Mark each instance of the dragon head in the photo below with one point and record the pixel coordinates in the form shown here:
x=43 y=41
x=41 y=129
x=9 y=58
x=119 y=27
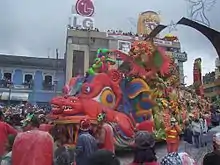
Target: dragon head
x=73 y=106
x=56 y=104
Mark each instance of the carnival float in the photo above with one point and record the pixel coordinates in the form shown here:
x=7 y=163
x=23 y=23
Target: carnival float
x=142 y=94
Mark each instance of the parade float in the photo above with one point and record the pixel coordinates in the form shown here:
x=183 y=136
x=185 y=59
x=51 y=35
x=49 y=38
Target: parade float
x=144 y=95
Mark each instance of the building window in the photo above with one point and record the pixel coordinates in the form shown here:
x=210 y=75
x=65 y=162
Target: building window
x=48 y=82
x=48 y=79
x=8 y=76
x=28 y=80
x=6 y=81
x=101 y=42
x=83 y=41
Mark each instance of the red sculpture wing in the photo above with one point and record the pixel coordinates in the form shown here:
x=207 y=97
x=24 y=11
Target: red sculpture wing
x=123 y=56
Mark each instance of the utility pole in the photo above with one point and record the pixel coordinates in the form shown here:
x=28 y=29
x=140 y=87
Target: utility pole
x=56 y=72
x=9 y=96
x=89 y=47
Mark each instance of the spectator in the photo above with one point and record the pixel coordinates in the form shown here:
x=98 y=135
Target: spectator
x=5 y=131
x=62 y=156
x=144 y=149
x=188 y=135
x=33 y=147
x=204 y=129
x=6 y=160
x=103 y=157
x=86 y=144
x=215 y=118
x=196 y=129
x=213 y=158
x=175 y=158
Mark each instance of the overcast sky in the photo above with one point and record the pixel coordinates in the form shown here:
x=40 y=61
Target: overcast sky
x=38 y=27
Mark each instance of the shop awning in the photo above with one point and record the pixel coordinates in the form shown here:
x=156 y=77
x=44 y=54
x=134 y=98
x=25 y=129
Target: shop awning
x=15 y=96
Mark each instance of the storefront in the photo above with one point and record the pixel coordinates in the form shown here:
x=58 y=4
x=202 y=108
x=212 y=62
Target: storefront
x=14 y=96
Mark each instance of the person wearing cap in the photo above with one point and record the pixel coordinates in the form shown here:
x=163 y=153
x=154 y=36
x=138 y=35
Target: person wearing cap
x=213 y=158
x=5 y=131
x=172 y=136
x=86 y=144
x=105 y=134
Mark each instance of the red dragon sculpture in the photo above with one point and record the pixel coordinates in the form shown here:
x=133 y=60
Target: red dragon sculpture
x=79 y=106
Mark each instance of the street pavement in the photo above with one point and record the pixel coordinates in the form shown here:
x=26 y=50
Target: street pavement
x=126 y=157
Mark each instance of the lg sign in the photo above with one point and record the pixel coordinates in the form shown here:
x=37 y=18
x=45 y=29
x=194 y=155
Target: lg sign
x=85 y=8
x=83 y=22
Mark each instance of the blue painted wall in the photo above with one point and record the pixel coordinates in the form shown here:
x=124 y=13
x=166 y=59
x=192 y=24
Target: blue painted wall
x=38 y=80
x=37 y=94
x=17 y=78
x=1 y=73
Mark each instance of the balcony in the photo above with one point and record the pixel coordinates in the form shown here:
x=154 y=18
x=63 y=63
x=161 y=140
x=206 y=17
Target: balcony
x=6 y=83
x=48 y=86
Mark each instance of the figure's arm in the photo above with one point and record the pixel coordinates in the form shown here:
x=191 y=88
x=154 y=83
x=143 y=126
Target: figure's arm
x=178 y=129
x=10 y=129
x=101 y=138
x=97 y=65
x=168 y=129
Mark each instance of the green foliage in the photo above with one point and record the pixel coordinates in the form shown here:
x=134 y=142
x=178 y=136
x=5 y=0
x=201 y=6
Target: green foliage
x=160 y=134
x=157 y=59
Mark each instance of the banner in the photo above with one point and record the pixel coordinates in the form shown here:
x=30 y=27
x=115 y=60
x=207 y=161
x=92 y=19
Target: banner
x=124 y=46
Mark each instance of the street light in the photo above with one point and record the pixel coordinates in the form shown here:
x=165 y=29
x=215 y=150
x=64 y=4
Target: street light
x=9 y=96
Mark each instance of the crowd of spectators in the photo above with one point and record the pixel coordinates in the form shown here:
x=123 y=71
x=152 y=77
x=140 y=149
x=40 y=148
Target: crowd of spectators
x=83 y=29
x=116 y=32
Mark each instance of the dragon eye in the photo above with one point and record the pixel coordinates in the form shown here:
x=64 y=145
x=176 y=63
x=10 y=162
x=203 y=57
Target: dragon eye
x=87 y=89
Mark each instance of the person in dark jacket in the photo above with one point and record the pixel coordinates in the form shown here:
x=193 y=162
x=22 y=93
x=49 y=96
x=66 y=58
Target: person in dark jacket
x=215 y=118
x=103 y=157
x=188 y=136
x=62 y=156
x=144 y=152
x=86 y=144
x=213 y=158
